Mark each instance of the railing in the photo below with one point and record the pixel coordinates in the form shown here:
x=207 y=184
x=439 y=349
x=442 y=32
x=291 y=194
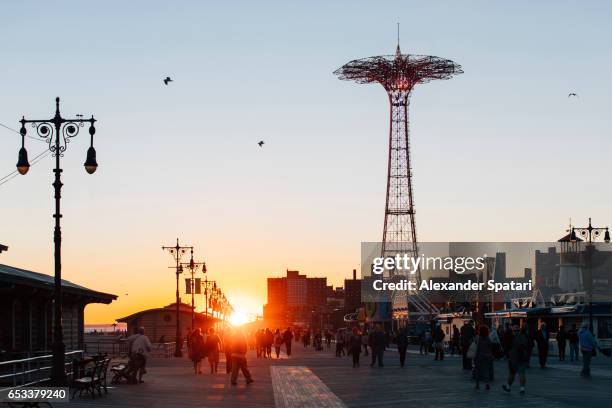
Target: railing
x=165 y=350
x=34 y=370
x=112 y=347
x=117 y=348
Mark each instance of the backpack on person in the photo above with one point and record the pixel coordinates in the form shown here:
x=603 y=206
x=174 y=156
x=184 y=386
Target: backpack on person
x=471 y=353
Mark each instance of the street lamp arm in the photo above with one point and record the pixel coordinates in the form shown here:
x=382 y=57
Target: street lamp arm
x=57 y=132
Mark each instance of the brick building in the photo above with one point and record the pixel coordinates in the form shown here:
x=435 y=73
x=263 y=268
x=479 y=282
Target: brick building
x=294 y=299
x=352 y=294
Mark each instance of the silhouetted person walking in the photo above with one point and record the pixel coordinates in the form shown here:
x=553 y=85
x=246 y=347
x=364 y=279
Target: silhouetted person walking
x=288 y=337
x=572 y=337
x=561 y=342
x=402 y=345
x=542 y=339
x=227 y=349
x=339 y=344
x=239 y=361
x=213 y=343
x=196 y=349
x=519 y=357
x=354 y=346
x=455 y=341
x=278 y=342
x=588 y=345
x=531 y=336
x=506 y=340
x=438 y=341
x=377 y=344
x=483 y=359
x=364 y=341
x=467 y=337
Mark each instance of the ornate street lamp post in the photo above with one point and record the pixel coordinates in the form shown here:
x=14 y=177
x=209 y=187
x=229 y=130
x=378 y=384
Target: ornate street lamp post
x=177 y=252
x=57 y=132
x=193 y=268
x=590 y=233
x=208 y=284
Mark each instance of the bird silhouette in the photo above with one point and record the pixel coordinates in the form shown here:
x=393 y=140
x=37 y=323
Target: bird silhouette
x=572 y=94
x=167 y=80
x=260 y=143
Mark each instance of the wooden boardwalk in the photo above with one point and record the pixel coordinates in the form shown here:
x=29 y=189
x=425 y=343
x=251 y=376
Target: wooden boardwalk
x=318 y=379
x=297 y=386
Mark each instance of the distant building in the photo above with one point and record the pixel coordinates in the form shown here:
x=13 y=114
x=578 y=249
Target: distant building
x=295 y=299
x=316 y=292
x=352 y=294
x=297 y=291
x=547 y=268
x=573 y=284
x=333 y=314
x=161 y=321
x=26 y=311
x=499 y=268
x=335 y=298
x=564 y=272
x=276 y=308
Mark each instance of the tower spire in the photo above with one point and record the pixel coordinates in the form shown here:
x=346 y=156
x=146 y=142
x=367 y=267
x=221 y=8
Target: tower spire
x=398 y=53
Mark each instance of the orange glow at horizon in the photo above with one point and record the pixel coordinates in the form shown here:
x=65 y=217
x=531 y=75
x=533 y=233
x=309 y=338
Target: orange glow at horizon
x=238 y=318
x=142 y=277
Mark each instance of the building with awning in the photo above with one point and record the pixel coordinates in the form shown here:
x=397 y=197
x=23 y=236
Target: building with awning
x=555 y=316
x=26 y=311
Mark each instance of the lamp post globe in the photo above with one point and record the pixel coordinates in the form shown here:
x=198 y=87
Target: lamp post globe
x=91 y=165
x=22 y=162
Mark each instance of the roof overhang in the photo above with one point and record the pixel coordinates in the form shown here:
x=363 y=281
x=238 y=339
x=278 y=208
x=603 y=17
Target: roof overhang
x=22 y=277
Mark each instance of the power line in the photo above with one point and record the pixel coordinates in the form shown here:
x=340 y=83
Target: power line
x=35 y=160
x=13 y=130
x=15 y=173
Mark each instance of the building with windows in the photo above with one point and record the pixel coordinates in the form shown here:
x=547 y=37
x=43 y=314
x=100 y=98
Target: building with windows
x=352 y=294
x=295 y=299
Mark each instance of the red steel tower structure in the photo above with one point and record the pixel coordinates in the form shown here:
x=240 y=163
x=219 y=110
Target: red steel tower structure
x=399 y=74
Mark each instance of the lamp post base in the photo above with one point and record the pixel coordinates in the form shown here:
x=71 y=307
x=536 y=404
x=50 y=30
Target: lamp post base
x=178 y=349
x=58 y=369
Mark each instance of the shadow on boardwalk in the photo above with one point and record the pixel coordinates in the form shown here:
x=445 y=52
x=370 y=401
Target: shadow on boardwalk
x=428 y=383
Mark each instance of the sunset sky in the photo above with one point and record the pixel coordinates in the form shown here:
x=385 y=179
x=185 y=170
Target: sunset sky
x=500 y=153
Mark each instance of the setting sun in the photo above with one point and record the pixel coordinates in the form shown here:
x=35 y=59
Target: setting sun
x=239 y=318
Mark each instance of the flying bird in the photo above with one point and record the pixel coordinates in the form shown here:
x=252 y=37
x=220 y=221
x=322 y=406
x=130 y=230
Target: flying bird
x=260 y=143
x=572 y=94
x=167 y=80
